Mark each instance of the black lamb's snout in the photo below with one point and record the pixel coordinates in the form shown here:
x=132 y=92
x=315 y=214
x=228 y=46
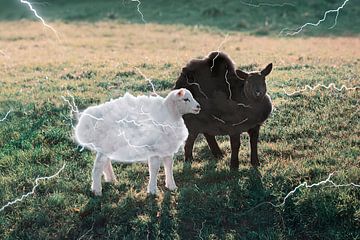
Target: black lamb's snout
x=258 y=93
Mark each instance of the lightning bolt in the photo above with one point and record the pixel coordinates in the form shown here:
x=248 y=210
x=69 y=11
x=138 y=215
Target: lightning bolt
x=198 y=85
x=40 y=18
x=243 y=105
x=138 y=9
x=202 y=227
x=267 y=4
x=37 y=183
x=299 y=29
x=73 y=109
x=227 y=82
x=219 y=119
x=306 y=185
x=129 y=121
x=331 y=85
x=218 y=50
x=82 y=236
x=149 y=80
x=135 y=146
x=222 y=121
x=4 y=54
x=4 y=118
x=239 y=123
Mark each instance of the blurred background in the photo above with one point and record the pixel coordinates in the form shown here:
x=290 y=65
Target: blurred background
x=254 y=17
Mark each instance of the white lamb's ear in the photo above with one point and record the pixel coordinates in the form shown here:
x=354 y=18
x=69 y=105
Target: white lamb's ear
x=180 y=93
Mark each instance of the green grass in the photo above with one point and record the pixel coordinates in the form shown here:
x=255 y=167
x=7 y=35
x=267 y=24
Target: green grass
x=305 y=139
x=225 y=15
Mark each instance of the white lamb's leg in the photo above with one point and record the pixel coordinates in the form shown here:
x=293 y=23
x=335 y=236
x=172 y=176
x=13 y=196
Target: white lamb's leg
x=169 y=176
x=98 y=169
x=154 y=166
x=109 y=174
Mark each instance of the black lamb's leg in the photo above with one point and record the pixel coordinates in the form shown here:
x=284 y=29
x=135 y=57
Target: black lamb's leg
x=235 y=145
x=254 y=137
x=189 y=144
x=214 y=147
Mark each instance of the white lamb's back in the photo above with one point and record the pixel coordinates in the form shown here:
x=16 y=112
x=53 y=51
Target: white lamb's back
x=130 y=129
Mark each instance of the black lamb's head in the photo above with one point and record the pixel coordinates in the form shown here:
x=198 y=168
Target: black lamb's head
x=255 y=82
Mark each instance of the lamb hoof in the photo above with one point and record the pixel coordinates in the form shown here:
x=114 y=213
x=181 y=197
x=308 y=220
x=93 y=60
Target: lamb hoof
x=234 y=167
x=218 y=155
x=171 y=187
x=114 y=180
x=97 y=193
x=152 y=191
x=255 y=162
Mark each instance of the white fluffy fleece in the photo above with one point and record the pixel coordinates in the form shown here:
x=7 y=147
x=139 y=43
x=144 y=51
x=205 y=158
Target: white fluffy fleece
x=136 y=129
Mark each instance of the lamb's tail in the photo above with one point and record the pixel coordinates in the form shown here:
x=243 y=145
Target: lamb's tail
x=219 y=63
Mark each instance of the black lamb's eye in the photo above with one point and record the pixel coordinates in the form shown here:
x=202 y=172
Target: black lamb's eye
x=186 y=100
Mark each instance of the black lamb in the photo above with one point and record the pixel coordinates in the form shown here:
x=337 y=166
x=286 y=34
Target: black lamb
x=232 y=102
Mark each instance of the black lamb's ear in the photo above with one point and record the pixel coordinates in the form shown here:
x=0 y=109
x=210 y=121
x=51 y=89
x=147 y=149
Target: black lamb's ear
x=182 y=79
x=267 y=70
x=241 y=75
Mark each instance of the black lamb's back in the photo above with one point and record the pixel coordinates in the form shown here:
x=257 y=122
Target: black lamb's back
x=207 y=76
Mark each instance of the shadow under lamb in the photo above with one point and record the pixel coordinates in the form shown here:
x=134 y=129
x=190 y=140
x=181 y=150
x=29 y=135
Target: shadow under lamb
x=136 y=129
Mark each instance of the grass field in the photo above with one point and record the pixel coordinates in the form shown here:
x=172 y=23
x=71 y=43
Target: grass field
x=306 y=138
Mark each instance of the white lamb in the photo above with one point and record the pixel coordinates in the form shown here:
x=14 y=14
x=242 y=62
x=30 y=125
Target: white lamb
x=136 y=129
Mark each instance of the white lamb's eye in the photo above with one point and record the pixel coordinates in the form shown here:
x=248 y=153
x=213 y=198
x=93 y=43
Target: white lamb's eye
x=186 y=100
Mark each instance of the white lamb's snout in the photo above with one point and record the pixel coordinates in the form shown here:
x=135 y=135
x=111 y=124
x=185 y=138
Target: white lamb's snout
x=196 y=108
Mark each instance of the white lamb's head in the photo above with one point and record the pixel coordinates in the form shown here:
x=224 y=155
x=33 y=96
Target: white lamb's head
x=185 y=102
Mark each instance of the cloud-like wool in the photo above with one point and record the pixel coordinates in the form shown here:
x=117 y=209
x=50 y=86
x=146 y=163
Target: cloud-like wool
x=131 y=129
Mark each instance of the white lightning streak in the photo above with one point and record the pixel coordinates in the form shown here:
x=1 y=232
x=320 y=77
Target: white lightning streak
x=219 y=119
x=157 y=124
x=198 y=85
x=299 y=29
x=235 y=124
x=4 y=118
x=147 y=79
x=331 y=85
x=222 y=121
x=37 y=183
x=4 y=54
x=134 y=146
x=72 y=107
x=93 y=117
x=124 y=120
x=306 y=185
x=218 y=50
x=229 y=87
x=202 y=226
x=267 y=4
x=40 y=18
x=138 y=9
x=243 y=105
